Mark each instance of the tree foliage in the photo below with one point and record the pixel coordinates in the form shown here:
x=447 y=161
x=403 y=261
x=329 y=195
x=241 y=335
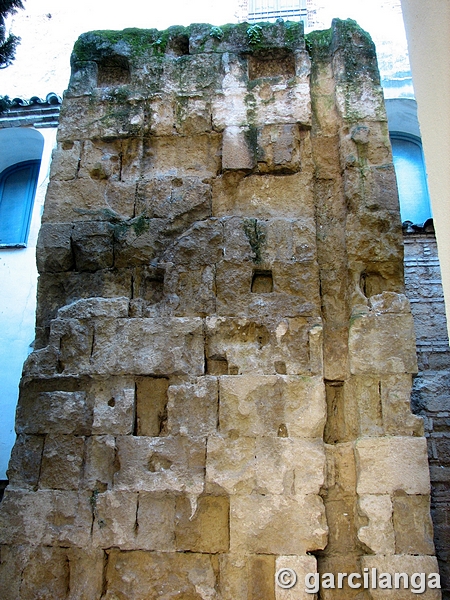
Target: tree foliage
x=8 y=41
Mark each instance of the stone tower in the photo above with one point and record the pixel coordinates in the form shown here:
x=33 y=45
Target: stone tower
x=221 y=378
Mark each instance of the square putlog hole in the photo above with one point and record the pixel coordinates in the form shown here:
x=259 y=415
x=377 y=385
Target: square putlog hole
x=151 y=406
x=273 y=63
x=262 y=282
x=113 y=71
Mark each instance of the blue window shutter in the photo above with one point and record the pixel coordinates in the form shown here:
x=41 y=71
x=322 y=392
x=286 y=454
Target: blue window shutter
x=17 y=190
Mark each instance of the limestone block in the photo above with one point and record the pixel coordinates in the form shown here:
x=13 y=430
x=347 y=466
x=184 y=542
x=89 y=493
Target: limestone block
x=292 y=289
x=412 y=524
x=86 y=572
x=99 y=463
x=135 y=575
x=114 y=515
x=231 y=463
x=264 y=197
x=161 y=114
x=75 y=340
x=92 y=244
x=151 y=406
x=160 y=464
x=192 y=408
x=395 y=398
x=188 y=291
x=45 y=517
x=289 y=104
x=25 y=462
x=257 y=346
x=53 y=412
x=62 y=462
x=88 y=308
x=85 y=199
x=179 y=156
x=114 y=406
x=378 y=535
x=156 y=347
x=301 y=565
x=382 y=343
x=341 y=470
x=65 y=160
x=347 y=563
x=253 y=405
x=199 y=245
x=47 y=574
x=155 y=522
x=202 y=526
x=57 y=290
x=279 y=148
x=363 y=103
x=266 y=241
x=275 y=524
x=341 y=520
x=385 y=465
x=402 y=564
x=363 y=394
x=237 y=152
x=138 y=241
x=184 y=200
x=54 y=251
x=289 y=466
x=106 y=119
x=117 y=160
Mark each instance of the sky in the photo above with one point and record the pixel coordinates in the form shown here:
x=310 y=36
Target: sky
x=49 y=29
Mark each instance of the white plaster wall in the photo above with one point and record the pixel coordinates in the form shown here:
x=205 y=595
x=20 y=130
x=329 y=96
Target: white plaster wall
x=18 y=276
x=428 y=31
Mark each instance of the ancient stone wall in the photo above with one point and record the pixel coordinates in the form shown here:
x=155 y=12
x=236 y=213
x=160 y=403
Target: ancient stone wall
x=222 y=374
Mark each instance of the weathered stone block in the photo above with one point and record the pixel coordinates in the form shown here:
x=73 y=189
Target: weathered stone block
x=157 y=347
x=54 y=249
x=230 y=464
x=183 y=200
x=278 y=148
x=266 y=524
x=202 y=525
x=62 y=462
x=385 y=465
x=151 y=406
x=45 y=517
x=180 y=156
x=255 y=346
x=382 y=343
x=25 y=462
x=412 y=524
x=65 y=160
x=92 y=245
x=160 y=464
x=301 y=565
x=237 y=151
x=137 y=574
x=403 y=564
x=155 y=522
x=192 y=408
x=263 y=197
x=54 y=412
x=281 y=469
x=395 y=398
x=114 y=518
x=254 y=405
x=114 y=406
x=99 y=463
x=378 y=535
